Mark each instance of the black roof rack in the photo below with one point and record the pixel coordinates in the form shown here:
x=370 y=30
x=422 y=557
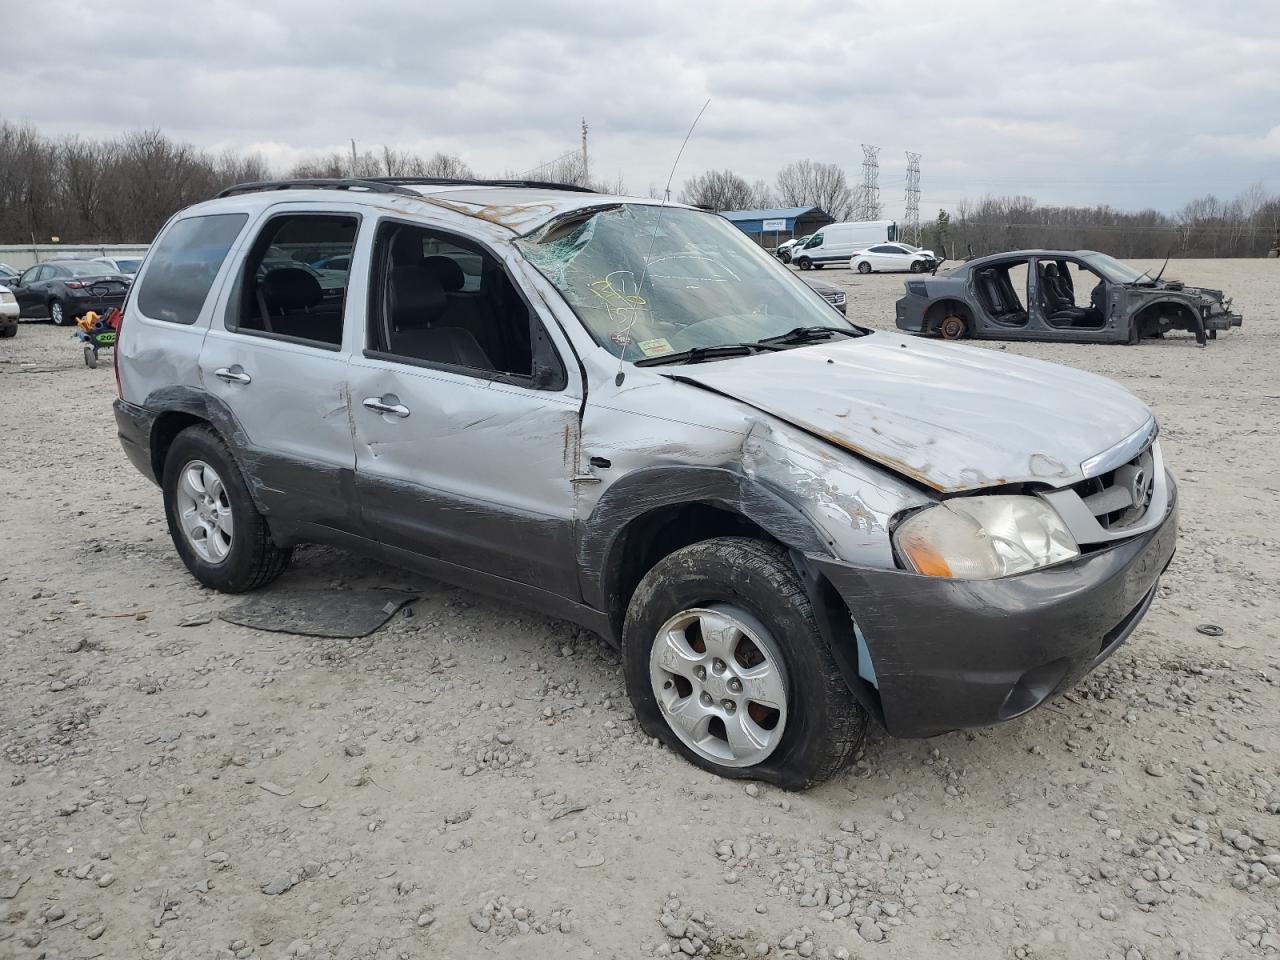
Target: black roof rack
x=399 y=185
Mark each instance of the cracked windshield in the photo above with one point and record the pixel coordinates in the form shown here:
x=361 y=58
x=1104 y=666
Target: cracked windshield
x=705 y=284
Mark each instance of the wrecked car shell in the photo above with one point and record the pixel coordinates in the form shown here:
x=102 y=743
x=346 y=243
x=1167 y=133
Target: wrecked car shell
x=986 y=298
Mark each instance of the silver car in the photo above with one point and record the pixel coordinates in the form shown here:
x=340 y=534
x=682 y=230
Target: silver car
x=628 y=415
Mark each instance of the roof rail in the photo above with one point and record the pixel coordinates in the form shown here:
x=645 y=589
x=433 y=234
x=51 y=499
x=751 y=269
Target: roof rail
x=399 y=185
x=470 y=182
x=320 y=183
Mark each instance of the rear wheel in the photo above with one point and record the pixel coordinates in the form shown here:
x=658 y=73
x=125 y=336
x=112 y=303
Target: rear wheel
x=864 y=267
x=725 y=664
x=219 y=533
x=804 y=263
x=56 y=313
x=953 y=327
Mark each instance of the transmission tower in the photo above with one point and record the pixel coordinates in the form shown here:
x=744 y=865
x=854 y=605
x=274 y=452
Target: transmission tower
x=870 y=206
x=912 y=215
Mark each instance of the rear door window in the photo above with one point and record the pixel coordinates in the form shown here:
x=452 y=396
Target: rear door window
x=184 y=264
x=281 y=294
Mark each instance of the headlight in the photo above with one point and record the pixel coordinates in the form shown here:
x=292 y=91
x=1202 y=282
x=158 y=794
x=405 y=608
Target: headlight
x=981 y=538
x=7 y=297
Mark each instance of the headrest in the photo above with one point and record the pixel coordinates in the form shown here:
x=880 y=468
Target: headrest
x=290 y=288
x=447 y=271
x=1051 y=270
x=416 y=297
x=406 y=247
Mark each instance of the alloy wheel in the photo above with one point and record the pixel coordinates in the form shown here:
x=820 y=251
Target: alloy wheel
x=721 y=684
x=204 y=511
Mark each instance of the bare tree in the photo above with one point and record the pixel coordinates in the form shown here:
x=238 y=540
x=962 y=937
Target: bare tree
x=718 y=190
x=806 y=183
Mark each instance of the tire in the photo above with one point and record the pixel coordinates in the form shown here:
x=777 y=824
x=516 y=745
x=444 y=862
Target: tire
x=953 y=327
x=90 y=356
x=252 y=559
x=917 y=266
x=9 y=330
x=864 y=267
x=57 y=313
x=753 y=584
x=804 y=263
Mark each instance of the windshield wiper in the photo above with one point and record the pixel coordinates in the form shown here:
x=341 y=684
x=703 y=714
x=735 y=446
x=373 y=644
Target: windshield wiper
x=700 y=354
x=810 y=334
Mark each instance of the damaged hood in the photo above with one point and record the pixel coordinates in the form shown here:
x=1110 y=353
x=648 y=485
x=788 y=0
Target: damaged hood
x=951 y=417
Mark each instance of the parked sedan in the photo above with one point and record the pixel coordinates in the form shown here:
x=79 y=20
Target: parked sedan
x=8 y=313
x=65 y=290
x=893 y=258
x=7 y=273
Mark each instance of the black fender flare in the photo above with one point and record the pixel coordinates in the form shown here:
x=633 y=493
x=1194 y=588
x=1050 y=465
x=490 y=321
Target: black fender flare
x=600 y=536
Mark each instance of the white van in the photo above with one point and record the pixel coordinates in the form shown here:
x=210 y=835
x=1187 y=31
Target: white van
x=837 y=242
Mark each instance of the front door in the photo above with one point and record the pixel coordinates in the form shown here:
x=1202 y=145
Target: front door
x=277 y=358
x=32 y=291
x=466 y=419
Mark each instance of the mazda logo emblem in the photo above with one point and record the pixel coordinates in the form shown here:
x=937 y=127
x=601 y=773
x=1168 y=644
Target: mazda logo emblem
x=1141 y=487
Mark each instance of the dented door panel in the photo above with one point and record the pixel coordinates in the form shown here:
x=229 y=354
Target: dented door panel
x=477 y=474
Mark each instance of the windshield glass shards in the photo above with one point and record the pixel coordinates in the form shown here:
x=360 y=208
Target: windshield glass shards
x=651 y=281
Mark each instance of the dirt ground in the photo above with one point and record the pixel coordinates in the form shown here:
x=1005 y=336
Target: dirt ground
x=469 y=780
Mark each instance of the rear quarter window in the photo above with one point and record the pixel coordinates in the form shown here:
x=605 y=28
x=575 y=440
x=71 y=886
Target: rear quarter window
x=184 y=264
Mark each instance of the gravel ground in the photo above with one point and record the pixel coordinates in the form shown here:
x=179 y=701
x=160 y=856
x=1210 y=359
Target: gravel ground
x=470 y=781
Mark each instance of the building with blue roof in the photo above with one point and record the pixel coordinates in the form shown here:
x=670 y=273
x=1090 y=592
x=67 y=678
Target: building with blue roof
x=771 y=227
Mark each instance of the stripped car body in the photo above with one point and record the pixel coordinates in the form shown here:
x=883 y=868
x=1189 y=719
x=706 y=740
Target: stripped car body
x=564 y=488
x=1031 y=295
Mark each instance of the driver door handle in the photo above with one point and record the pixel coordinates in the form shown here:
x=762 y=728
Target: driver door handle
x=232 y=374
x=380 y=405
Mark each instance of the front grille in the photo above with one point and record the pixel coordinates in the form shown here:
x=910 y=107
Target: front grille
x=833 y=298
x=1120 y=498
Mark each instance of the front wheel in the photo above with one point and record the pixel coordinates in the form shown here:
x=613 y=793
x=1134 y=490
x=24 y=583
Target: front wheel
x=917 y=266
x=864 y=267
x=56 y=313
x=726 y=665
x=218 y=532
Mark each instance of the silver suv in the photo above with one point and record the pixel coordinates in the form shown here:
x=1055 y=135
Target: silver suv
x=630 y=416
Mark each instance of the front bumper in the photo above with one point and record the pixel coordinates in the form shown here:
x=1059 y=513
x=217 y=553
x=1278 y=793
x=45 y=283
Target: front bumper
x=949 y=654
x=1223 y=321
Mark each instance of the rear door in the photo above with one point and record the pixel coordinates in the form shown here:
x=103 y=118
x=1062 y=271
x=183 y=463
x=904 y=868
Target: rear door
x=466 y=415
x=276 y=354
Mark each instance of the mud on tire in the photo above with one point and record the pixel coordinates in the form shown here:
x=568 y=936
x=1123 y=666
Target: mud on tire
x=824 y=724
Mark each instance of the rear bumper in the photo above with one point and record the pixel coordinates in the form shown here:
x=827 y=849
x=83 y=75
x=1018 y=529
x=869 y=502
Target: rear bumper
x=79 y=306
x=949 y=654
x=909 y=313
x=133 y=425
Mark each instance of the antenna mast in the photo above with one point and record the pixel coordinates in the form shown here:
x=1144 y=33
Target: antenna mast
x=912 y=215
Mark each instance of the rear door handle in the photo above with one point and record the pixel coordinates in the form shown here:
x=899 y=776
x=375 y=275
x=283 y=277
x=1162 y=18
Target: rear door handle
x=233 y=374
x=388 y=403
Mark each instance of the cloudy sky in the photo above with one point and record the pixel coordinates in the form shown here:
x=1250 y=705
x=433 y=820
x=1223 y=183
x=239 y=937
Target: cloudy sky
x=1125 y=102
